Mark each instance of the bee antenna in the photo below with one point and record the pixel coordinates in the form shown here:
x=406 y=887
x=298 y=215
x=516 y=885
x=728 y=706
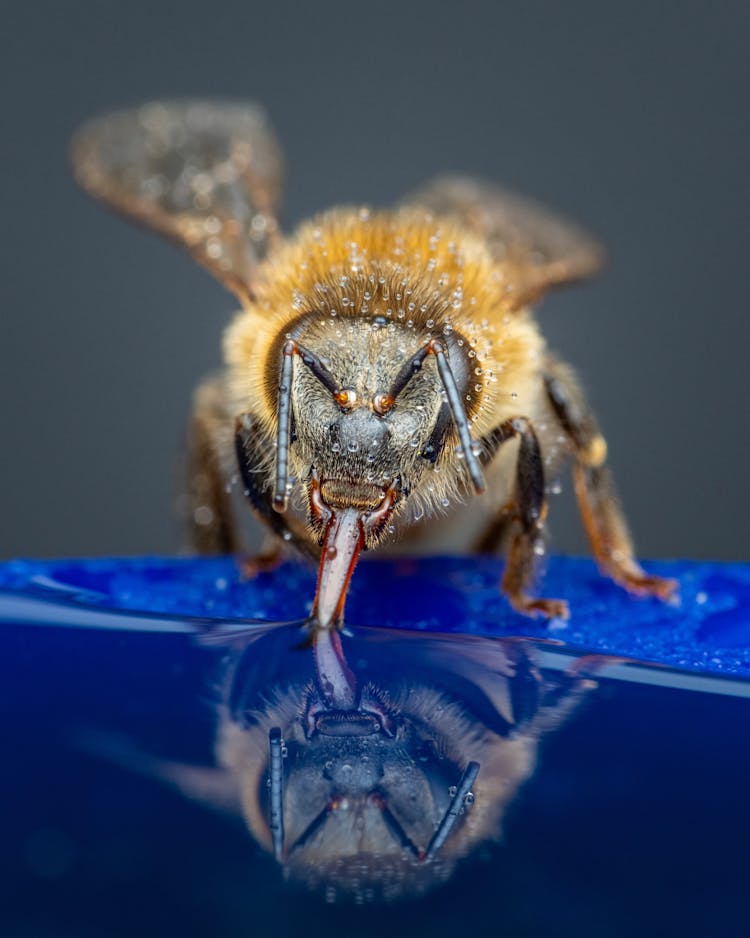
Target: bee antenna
x=276 y=793
x=343 y=398
x=392 y=823
x=458 y=413
x=455 y=810
x=283 y=435
x=384 y=402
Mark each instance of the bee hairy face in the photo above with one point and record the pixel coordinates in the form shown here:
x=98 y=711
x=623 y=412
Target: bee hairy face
x=362 y=439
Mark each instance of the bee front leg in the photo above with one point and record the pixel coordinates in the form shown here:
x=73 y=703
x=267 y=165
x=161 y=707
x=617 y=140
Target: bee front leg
x=605 y=524
x=254 y=450
x=529 y=511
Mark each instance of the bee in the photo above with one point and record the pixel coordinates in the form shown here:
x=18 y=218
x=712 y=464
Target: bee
x=385 y=379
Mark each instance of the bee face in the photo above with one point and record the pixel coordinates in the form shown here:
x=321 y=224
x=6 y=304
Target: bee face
x=355 y=446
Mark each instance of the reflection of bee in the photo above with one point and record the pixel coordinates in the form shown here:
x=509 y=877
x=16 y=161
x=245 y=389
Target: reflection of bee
x=383 y=364
x=376 y=788
x=382 y=799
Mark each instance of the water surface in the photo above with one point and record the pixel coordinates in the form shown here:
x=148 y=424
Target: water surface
x=137 y=766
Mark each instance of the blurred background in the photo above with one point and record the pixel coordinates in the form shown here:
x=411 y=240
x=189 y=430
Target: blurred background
x=631 y=118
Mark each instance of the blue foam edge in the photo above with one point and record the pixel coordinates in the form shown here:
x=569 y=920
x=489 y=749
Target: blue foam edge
x=707 y=630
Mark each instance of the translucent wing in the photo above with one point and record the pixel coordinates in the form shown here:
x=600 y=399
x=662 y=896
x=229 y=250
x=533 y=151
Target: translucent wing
x=205 y=174
x=535 y=249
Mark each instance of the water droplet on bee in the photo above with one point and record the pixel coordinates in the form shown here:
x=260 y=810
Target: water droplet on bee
x=331 y=553
x=203 y=515
x=469 y=799
x=452 y=791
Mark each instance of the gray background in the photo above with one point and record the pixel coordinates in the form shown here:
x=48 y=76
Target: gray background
x=632 y=118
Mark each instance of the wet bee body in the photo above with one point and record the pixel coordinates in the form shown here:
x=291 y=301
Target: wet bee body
x=385 y=369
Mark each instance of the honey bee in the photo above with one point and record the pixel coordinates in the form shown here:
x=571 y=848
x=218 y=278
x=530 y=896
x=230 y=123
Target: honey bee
x=385 y=379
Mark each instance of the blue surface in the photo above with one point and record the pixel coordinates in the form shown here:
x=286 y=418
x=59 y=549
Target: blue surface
x=707 y=630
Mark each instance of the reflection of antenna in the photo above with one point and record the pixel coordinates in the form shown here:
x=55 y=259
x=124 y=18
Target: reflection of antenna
x=455 y=809
x=392 y=823
x=277 y=804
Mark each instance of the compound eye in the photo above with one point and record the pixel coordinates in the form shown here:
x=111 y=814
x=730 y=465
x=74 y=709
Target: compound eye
x=382 y=404
x=346 y=398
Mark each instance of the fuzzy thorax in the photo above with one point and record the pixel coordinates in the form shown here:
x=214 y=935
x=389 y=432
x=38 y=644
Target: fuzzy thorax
x=366 y=291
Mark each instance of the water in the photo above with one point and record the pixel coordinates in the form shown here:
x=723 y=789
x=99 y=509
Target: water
x=136 y=789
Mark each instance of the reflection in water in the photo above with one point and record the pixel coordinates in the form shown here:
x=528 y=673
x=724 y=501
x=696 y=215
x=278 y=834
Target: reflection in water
x=368 y=771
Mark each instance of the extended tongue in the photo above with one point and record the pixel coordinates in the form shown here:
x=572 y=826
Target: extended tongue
x=342 y=544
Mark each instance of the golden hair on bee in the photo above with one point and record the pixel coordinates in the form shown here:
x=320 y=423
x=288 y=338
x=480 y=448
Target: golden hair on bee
x=385 y=379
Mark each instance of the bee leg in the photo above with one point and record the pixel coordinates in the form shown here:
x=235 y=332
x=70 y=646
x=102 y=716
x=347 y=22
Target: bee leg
x=496 y=531
x=254 y=450
x=211 y=525
x=269 y=557
x=527 y=532
x=603 y=520
x=560 y=702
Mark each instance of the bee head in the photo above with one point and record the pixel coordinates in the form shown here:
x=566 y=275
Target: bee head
x=372 y=405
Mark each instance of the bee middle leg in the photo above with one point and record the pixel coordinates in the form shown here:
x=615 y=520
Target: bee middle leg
x=595 y=490
x=525 y=518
